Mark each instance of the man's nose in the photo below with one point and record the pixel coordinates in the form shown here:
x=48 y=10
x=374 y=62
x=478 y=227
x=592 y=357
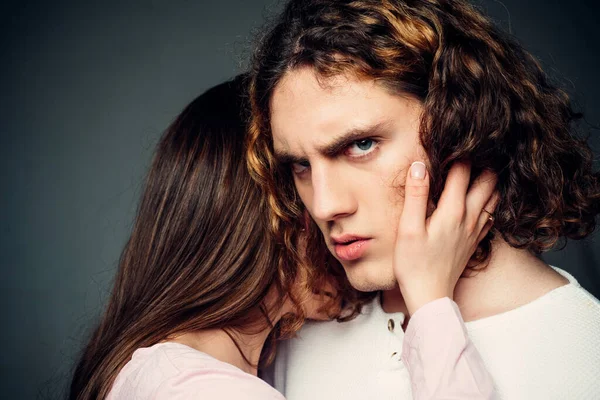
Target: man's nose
x=332 y=198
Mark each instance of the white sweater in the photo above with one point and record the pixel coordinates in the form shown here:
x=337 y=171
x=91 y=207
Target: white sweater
x=547 y=349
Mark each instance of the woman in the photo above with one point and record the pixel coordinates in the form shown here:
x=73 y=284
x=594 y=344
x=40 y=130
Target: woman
x=202 y=291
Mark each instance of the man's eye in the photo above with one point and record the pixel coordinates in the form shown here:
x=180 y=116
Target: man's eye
x=300 y=167
x=361 y=147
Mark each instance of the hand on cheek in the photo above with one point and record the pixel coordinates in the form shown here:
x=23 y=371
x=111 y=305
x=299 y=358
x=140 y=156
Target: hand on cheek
x=431 y=253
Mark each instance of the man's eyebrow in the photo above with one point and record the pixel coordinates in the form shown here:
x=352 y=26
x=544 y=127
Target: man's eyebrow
x=352 y=135
x=338 y=144
x=285 y=158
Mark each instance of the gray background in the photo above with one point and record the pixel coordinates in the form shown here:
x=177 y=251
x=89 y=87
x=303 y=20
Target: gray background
x=86 y=90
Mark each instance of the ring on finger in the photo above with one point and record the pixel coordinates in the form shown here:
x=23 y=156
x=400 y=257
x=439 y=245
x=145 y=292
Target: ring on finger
x=490 y=215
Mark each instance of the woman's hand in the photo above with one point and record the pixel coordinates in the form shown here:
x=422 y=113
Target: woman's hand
x=432 y=253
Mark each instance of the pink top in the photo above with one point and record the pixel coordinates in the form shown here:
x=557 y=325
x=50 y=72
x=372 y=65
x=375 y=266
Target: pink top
x=173 y=371
x=442 y=361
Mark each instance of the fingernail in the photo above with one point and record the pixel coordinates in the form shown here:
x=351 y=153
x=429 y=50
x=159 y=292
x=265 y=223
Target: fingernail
x=417 y=170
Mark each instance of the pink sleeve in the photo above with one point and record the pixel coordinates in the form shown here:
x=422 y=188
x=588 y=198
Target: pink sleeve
x=217 y=384
x=442 y=361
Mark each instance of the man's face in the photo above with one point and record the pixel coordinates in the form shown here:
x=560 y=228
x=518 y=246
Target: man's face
x=349 y=143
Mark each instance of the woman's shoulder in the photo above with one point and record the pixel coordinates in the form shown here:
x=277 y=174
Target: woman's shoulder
x=173 y=370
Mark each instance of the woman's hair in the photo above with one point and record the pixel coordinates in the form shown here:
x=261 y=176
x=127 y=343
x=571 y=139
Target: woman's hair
x=485 y=99
x=199 y=255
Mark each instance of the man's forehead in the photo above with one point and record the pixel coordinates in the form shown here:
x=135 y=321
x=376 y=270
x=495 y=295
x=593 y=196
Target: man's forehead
x=303 y=101
x=307 y=115
x=304 y=82
x=281 y=144
x=297 y=108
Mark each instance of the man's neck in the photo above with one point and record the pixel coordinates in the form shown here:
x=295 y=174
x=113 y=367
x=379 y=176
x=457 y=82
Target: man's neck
x=512 y=278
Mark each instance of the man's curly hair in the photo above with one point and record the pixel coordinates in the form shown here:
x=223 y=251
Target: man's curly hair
x=485 y=99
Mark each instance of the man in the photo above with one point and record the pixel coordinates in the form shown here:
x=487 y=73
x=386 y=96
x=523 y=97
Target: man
x=346 y=95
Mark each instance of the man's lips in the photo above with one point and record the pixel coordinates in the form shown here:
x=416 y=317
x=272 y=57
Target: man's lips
x=350 y=247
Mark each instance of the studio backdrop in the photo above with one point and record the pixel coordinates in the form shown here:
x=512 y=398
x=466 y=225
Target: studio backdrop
x=87 y=89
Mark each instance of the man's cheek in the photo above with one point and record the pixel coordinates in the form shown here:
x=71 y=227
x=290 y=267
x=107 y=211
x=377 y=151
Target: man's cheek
x=394 y=210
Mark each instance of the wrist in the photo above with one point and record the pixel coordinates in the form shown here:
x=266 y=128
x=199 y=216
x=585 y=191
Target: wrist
x=415 y=299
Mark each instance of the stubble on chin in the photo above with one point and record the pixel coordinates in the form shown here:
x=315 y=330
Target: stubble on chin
x=364 y=281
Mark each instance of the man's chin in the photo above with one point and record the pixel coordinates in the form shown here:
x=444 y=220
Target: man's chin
x=370 y=278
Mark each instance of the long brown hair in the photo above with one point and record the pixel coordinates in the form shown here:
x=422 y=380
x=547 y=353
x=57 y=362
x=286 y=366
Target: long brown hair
x=199 y=255
x=485 y=99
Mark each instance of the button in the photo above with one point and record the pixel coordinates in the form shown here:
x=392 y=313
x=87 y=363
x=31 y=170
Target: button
x=391 y=325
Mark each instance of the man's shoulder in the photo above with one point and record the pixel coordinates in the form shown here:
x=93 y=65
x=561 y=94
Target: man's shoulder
x=554 y=341
x=569 y=309
x=564 y=311
x=577 y=316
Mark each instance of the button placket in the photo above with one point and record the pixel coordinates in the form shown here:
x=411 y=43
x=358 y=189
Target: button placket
x=395 y=343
